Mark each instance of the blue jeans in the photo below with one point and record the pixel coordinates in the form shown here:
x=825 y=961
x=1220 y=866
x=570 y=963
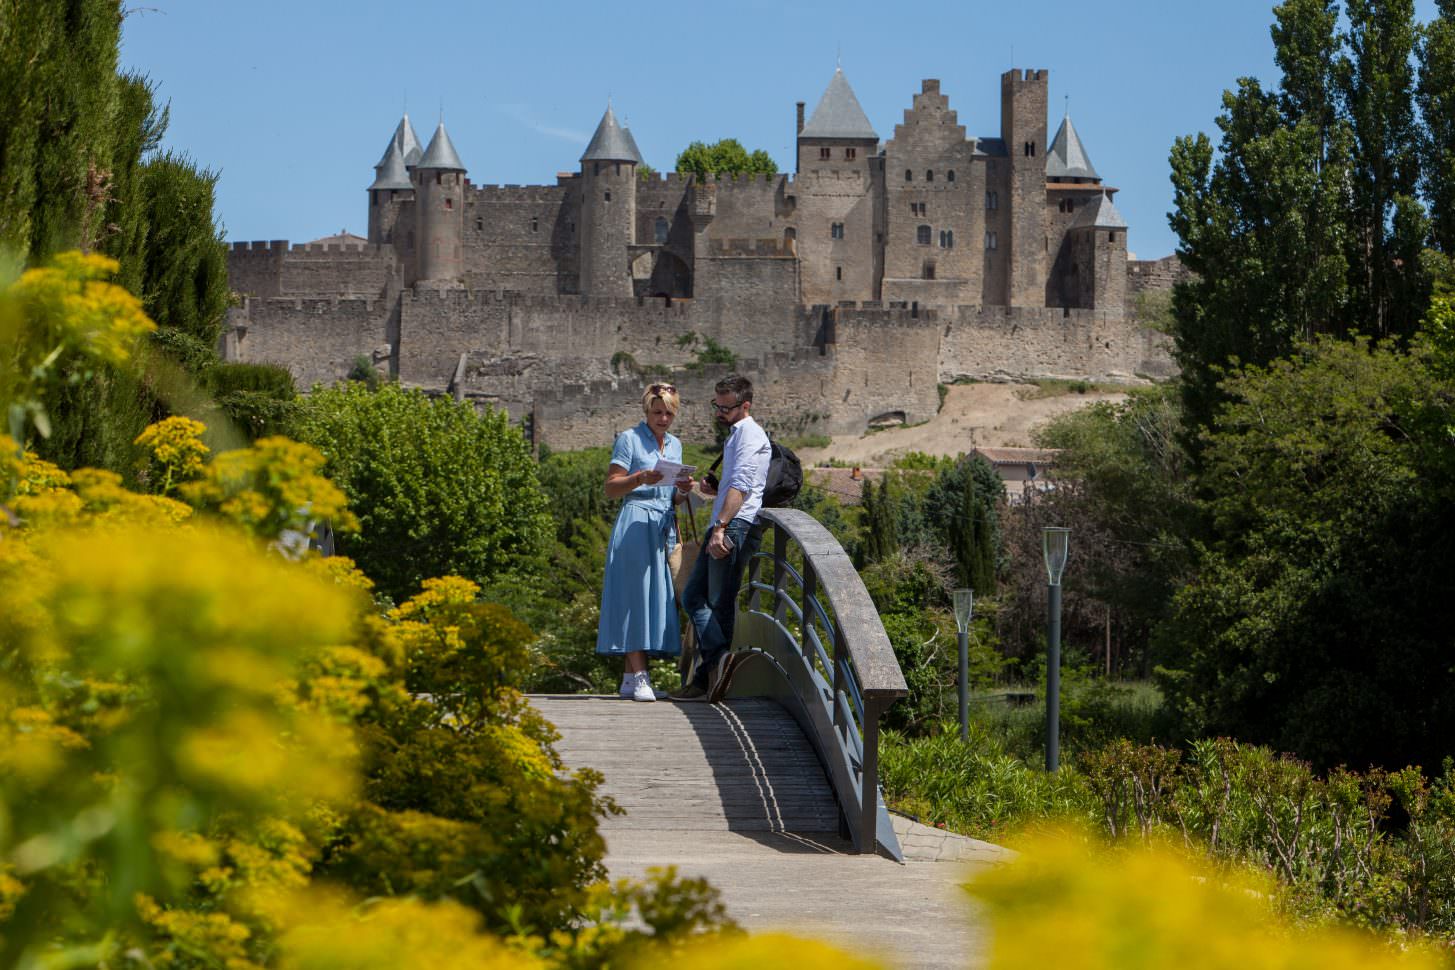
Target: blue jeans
x=711 y=596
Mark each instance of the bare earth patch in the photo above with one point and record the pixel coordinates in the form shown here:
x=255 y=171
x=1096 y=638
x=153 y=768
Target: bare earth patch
x=984 y=415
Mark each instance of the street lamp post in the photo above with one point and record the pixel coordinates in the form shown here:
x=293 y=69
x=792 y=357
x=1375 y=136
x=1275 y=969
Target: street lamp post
x=1056 y=550
x=964 y=607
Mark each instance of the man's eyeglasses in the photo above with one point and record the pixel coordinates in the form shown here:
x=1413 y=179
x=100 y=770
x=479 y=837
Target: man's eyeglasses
x=720 y=409
x=661 y=389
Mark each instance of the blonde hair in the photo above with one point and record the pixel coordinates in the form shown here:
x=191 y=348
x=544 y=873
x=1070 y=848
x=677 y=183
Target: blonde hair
x=665 y=393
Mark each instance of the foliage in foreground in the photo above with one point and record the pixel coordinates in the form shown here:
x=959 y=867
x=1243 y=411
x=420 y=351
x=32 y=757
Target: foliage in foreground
x=1068 y=902
x=1374 y=850
x=198 y=733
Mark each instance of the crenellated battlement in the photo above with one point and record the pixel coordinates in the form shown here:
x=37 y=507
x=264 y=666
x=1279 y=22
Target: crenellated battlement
x=549 y=194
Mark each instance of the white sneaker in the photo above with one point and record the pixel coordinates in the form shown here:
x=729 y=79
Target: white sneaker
x=642 y=690
x=628 y=686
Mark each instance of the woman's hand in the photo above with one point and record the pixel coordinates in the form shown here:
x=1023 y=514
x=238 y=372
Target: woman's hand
x=685 y=483
x=649 y=476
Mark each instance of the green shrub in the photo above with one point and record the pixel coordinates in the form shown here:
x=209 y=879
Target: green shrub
x=438 y=488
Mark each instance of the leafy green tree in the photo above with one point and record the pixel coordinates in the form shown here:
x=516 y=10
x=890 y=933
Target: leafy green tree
x=1123 y=487
x=438 y=488
x=961 y=509
x=880 y=508
x=1317 y=619
x=724 y=157
x=1435 y=93
x=1307 y=219
x=184 y=274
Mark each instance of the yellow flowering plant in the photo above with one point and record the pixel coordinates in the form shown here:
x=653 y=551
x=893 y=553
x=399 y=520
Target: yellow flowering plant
x=64 y=308
x=1070 y=901
x=174 y=453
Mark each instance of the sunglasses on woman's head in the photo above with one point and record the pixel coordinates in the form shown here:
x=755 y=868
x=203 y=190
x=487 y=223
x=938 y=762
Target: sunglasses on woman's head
x=661 y=388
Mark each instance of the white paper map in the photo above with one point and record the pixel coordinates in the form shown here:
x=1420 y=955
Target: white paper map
x=671 y=470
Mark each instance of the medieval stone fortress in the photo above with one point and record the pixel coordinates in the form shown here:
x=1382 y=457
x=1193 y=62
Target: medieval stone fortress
x=847 y=290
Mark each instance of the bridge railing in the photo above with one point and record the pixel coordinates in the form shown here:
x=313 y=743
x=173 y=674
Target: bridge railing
x=808 y=615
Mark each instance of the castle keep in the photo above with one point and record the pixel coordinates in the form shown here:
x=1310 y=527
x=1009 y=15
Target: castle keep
x=848 y=289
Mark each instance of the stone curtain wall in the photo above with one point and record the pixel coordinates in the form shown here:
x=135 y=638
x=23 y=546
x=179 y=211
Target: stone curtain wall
x=317 y=340
x=1022 y=343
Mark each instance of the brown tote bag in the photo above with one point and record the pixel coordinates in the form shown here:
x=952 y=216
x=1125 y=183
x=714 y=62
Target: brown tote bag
x=683 y=555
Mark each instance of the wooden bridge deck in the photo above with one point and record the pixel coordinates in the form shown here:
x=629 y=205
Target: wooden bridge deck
x=734 y=793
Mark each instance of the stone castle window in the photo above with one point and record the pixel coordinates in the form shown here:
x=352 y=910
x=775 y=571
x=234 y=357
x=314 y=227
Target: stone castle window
x=929 y=270
x=850 y=153
x=930 y=175
x=908 y=175
x=535 y=224
x=922 y=235
x=449 y=202
x=659 y=230
x=992 y=241
x=947 y=239
x=950 y=175
x=825 y=153
x=1030 y=149
x=836 y=230
x=838 y=272
x=992 y=200
x=608 y=195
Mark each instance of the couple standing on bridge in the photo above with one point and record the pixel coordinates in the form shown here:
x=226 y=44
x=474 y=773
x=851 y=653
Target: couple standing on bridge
x=638 y=611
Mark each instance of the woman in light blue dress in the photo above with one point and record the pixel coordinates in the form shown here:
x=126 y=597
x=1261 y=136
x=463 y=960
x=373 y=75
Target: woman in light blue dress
x=638 y=609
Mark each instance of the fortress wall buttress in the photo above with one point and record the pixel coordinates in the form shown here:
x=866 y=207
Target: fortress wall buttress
x=882 y=366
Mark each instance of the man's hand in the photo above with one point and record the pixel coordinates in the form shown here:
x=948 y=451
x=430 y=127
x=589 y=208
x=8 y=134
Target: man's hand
x=685 y=483
x=717 y=546
x=707 y=487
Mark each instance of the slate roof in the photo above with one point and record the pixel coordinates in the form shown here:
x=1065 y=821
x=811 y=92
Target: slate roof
x=1067 y=157
x=406 y=141
x=390 y=173
x=838 y=114
x=611 y=143
x=441 y=152
x=1100 y=214
x=994 y=147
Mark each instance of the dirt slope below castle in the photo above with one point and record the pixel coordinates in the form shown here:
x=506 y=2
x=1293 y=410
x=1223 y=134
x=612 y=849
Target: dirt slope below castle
x=988 y=415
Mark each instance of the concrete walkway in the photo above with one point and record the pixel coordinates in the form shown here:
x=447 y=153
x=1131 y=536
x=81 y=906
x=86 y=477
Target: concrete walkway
x=734 y=793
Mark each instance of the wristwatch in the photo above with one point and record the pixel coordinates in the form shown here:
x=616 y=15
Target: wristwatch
x=719 y=523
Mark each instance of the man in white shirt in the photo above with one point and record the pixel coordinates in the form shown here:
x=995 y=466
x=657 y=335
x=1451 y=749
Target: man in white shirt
x=712 y=593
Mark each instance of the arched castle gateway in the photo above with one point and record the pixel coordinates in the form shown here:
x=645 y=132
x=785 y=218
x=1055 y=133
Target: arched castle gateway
x=849 y=289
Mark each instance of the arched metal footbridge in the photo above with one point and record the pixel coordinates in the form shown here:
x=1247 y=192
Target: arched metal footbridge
x=774 y=794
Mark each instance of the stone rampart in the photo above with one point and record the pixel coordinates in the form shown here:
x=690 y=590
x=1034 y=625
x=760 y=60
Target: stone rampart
x=317 y=340
x=1022 y=343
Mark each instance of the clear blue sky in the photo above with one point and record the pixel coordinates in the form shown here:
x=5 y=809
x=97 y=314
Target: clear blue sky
x=293 y=102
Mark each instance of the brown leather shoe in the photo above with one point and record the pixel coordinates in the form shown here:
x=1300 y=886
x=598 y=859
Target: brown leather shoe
x=688 y=693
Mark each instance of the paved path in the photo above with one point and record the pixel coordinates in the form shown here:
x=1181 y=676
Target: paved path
x=735 y=794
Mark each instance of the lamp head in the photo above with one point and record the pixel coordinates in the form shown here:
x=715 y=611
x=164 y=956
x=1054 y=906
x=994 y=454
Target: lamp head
x=1057 y=548
x=964 y=608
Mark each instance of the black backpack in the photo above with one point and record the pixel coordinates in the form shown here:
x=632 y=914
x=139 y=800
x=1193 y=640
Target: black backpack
x=785 y=476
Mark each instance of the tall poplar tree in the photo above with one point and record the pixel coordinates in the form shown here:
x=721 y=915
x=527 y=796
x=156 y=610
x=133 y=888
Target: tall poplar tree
x=1307 y=218
x=1435 y=93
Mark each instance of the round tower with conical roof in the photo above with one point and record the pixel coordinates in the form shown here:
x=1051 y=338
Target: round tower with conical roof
x=608 y=209
x=391 y=185
x=439 y=207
